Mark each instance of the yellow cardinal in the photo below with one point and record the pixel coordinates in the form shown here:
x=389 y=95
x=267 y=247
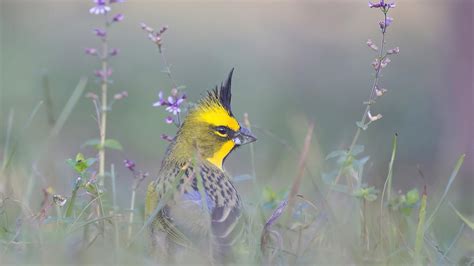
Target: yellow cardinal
x=192 y=171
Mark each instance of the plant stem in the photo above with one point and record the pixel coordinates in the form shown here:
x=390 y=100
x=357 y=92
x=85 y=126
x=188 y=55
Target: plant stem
x=171 y=77
x=378 y=69
x=132 y=209
x=115 y=210
x=104 y=106
x=301 y=168
x=71 y=203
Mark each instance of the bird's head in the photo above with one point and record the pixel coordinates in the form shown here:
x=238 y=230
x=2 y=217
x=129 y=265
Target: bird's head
x=211 y=129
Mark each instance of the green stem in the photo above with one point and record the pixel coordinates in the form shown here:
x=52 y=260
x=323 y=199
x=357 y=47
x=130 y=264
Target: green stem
x=132 y=210
x=72 y=201
x=104 y=106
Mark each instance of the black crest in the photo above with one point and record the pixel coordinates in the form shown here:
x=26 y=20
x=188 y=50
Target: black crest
x=224 y=94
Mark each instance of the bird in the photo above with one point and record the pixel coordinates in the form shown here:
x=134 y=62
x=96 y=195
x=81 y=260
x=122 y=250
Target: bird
x=193 y=202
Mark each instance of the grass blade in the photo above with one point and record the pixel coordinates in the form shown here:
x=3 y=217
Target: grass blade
x=443 y=197
x=420 y=230
x=301 y=169
x=9 y=157
x=76 y=94
x=462 y=217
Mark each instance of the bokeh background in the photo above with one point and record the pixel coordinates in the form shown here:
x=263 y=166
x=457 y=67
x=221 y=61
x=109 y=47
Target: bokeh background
x=295 y=62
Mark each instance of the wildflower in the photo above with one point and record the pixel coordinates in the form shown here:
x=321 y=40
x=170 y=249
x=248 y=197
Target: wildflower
x=163 y=29
x=372 y=45
x=395 y=50
x=92 y=96
x=385 y=62
x=382 y=4
x=103 y=74
x=91 y=51
x=146 y=28
x=129 y=164
x=120 y=96
x=169 y=120
x=155 y=37
x=160 y=101
x=384 y=24
x=100 y=33
x=100 y=8
x=59 y=200
x=376 y=63
x=380 y=92
x=118 y=18
x=173 y=105
x=114 y=52
x=166 y=137
x=373 y=118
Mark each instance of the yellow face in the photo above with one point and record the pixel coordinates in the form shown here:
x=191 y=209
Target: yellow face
x=223 y=126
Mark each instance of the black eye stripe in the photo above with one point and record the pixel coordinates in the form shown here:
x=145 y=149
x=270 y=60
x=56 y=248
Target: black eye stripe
x=225 y=131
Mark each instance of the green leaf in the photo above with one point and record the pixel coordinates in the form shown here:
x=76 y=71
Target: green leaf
x=92 y=142
x=113 y=144
x=334 y=154
x=90 y=162
x=463 y=218
x=371 y=197
x=357 y=149
x=79 y=164
x=71 y=163
x=80 y=157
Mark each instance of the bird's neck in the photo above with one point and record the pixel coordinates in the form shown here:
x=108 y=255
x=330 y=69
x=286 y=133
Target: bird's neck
x=185 y=150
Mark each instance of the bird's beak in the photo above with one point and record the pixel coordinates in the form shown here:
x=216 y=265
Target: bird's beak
x=244 y=136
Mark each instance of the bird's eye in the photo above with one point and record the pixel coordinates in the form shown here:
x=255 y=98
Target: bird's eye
x=221 y=131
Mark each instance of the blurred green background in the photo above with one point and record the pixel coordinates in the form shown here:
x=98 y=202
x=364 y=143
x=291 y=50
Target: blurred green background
x=295 y=62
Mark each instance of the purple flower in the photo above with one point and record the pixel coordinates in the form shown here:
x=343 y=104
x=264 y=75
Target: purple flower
x=173 y=105
x=129 y=164
x=395 y=50
x=100 y=8
x=169 y=120
x=160 y=101
x=382 y=4
x=146 y=28
x=92 y=96
x=118 y=18
x=121 y=95
x=100 y=33
x=166 y=137
x=114 y=52
x=103 y=74
x=384 y=24
x=155 y=37
x=372 y=45
x=91 y=51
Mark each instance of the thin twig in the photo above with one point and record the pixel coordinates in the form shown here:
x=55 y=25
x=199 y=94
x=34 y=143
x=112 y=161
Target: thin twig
x=301 y=168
